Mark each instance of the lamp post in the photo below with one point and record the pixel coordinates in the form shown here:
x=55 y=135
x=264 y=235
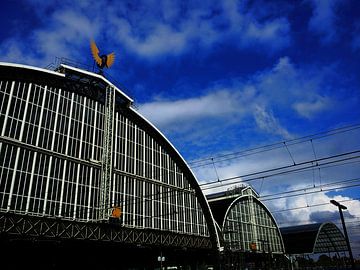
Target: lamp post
x=343 y=207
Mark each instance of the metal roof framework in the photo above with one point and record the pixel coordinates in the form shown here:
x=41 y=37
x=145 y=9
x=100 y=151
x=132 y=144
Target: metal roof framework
x=221 y=204
x=313 y=238
x=93 y=85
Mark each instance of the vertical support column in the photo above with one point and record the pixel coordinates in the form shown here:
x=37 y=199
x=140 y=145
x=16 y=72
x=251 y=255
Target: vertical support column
x=115 y=161
x=92 y=168
x=76 y=211
x=253 y=221
x=66 y=153
x=51 y=158
x=106 y=164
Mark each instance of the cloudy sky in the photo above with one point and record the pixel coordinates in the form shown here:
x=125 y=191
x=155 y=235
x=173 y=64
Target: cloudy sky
x=222 y=77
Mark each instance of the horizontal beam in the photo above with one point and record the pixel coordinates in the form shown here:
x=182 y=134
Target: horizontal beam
x=26 y=226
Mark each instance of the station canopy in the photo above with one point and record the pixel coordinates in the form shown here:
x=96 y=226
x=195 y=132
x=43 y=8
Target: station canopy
x=313 y=238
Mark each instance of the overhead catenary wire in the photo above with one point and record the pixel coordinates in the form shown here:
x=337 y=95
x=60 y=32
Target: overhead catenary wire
x=284 y=169
x=335 y=220
x=312 y=205
x=269 y=147
x=313 y=148
x=311 y=192
x=303 y=170
x=292 y=158
x=332 y=183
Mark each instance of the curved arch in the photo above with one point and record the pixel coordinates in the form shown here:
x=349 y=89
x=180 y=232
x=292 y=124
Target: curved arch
x=243 y=197
x=186 y=169
x=335 y=231
x=62 y=80
x=313 y=238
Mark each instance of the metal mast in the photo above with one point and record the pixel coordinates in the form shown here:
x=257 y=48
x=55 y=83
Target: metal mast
x=106 y=164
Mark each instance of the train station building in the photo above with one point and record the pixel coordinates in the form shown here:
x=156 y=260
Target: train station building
x=74 y=151
x=86 y=179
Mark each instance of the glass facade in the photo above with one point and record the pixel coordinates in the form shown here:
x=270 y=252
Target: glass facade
x=248 y=226
x=50 y=150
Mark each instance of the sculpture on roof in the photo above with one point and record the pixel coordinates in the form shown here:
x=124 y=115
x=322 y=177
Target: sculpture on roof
x=101 y=60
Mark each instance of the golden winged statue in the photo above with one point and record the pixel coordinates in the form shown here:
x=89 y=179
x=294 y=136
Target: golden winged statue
x=101 y=60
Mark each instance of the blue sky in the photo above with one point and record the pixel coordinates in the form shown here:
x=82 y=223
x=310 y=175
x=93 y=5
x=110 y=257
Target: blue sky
x=217 y=76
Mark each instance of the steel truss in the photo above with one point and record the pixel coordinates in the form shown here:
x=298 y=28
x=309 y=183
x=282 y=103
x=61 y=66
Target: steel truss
x=25 y=226
x=38 y=227
x=107 y=155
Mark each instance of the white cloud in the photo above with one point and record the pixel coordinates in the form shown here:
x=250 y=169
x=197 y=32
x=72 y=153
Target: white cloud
x=304 y=215
x=323 y=19
x=267 y=122
x=150 y=30
x=64 y=33
x=309 y=108
x=297 y=87
x=221 y=104
x=273 y=33
x=68 y=29
x=163 y=39
x=179 y=31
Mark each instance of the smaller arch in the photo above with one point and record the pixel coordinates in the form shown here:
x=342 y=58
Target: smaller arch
x=251 y=222
x=313 y=238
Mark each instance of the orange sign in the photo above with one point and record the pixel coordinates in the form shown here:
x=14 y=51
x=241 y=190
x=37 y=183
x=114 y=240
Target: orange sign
x=116 y=212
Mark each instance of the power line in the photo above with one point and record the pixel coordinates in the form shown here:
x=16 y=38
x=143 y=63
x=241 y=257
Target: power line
x=313 y=205
x=304 y=189
x=306 y=221
x=322 y=167
x=290 y=166
x=318 y=191
x=285 y=169
x=269 y=147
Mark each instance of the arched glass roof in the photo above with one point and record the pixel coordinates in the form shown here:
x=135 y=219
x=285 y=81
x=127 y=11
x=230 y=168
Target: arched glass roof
x=313 y=238
x=245 y=223
x=62 y=116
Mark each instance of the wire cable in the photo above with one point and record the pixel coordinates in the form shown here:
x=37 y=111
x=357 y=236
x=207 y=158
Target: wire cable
x=284 y=169
x=269 y=147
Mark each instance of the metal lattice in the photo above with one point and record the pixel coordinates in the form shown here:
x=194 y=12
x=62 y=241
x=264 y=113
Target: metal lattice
x=106 y=165
x=23 y=226
x=79 y=157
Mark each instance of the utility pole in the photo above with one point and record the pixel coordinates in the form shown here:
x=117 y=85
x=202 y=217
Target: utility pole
x=343 y=207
